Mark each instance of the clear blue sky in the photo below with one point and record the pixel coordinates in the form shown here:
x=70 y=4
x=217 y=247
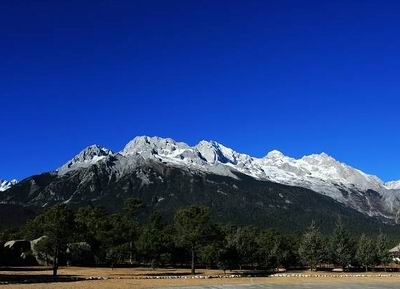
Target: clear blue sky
x=298 y=76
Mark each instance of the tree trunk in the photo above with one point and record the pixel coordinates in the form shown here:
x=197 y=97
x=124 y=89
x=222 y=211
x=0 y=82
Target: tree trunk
x=130 y=253
x=193 y=271
x=366 y=268
x=55 y=262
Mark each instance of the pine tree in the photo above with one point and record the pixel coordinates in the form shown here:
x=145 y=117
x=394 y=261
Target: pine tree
x=244 y=241
x=342 y=246
x=266 y=248
x=382 y=251
x=281 y=250
x=365 y=254
x=191 y=224
x=151 y=240
x=131 y=208
x=58 y=225
x=311 y=248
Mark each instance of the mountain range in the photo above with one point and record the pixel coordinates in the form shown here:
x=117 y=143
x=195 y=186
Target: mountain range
x=275 y=190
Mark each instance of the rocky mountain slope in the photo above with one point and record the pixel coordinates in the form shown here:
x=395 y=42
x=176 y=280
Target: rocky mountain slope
x=168 y=174
x=319 y=172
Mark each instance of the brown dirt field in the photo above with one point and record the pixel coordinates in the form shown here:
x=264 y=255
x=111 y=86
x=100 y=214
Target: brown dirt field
x=123 y=278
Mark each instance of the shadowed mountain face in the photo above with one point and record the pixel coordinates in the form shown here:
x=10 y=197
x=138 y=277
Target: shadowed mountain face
x=240 y=200
x=15 y=215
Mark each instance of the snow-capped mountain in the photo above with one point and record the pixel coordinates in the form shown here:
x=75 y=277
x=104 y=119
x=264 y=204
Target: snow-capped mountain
x=318 y=172
x=5 y=185
x=167 y=174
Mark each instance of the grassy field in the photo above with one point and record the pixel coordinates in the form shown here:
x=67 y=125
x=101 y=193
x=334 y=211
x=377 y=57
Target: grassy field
x=127 y=278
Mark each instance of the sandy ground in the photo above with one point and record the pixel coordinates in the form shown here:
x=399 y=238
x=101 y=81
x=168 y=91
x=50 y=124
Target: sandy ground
x=125 y=279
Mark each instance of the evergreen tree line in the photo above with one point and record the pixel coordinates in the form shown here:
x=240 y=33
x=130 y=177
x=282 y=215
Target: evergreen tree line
x=190 y=240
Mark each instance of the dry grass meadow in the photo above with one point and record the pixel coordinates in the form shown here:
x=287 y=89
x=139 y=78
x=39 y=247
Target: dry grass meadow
x=130 y=278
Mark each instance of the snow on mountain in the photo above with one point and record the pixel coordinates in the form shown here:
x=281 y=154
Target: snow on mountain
x=153 y=146
x=176 y=153
x=318 y=172
x=394 y=185
x=5 y=185
x=90 y=155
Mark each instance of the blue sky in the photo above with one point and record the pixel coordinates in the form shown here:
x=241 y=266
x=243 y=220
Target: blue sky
x=298 y=76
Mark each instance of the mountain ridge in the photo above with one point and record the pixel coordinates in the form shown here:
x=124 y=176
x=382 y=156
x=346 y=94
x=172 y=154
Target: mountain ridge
x=318 y=172
x=95 y=173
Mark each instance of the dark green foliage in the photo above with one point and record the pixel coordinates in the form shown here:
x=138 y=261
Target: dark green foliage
x=92 y=223
x=132 y=206
x=209 y=254
x=220 y=241
x=91 y=235
x=227 y=258
x=382 y=250
x=342 y=246
x=152 y=241
x=191 y=225
x=121 y=233
x=79 y=254
x=280 y=251
x=366 y=253
x=312 y=249
x=266 y=244
x=244 y=241
x=117 y=254
x=58 y=225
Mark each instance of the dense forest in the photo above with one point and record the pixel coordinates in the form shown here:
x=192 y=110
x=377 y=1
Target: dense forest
x=93 y=237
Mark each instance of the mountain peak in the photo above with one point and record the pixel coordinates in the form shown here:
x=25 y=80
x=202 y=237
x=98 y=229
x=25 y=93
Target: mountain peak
x=275 y=154
x=86 y=157
x=324 y=155
x=215 y=152
x=210 y=143
x=92 y=151
x=211 y=151
x=146 y=145
x=319 y=158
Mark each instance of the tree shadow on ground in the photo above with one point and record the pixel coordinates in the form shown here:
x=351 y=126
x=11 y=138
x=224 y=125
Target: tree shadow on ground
x=171 y=274
x=29 y=279
x=159 y=274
